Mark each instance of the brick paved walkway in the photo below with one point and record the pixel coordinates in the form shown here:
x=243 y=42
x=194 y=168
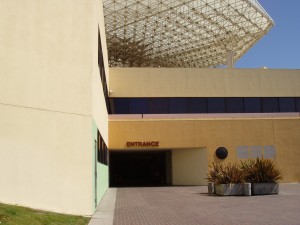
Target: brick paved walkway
x=193 y=206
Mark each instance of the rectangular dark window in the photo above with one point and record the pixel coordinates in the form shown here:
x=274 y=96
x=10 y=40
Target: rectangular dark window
x=179 y=105
x=139 y=106
x=216 y=105
x=234 y=105
x=160 y=106
x=102 y=74
x=270 y=105
x=297 y=104
x=121 y=105
x=287 y=105
x=102 y=151
x=197 y=105
x=204 y=105
x=252 y=105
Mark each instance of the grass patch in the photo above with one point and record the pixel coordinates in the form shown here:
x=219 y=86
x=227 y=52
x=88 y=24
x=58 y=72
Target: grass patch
x=16 y=215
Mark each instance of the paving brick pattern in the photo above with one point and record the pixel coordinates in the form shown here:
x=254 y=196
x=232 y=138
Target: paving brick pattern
x=193 y=206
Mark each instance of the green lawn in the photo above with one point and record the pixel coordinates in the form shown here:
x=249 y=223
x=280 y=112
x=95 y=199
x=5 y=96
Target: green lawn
x=16 y=215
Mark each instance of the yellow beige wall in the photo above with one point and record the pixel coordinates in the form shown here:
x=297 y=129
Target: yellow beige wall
x=46 y=159
x=189 y=166
x=183 y=82
x=282 y=133
x=49 y=92
x=45 y=54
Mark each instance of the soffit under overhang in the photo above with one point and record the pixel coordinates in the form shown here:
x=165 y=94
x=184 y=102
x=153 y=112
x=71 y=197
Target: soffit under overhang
x=173 y=33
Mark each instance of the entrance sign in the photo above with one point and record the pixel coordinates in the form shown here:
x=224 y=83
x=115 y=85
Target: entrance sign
x=142 y=144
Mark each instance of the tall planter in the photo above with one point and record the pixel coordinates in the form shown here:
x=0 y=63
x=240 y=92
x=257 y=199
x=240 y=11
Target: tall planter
x=264 y=188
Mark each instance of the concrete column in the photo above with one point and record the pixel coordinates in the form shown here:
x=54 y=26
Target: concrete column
x=230 y=59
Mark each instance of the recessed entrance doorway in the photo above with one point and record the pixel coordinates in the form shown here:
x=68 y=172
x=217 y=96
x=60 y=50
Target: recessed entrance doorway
x=139 y=168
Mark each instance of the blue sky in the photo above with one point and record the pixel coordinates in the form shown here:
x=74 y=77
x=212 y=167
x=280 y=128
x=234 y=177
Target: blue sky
x=280 y=48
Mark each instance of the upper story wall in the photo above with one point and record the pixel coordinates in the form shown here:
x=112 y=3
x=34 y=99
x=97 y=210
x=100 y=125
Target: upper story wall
x=46 y=54
x=49 y=56
x=183 y=82
x=101 y=23
x=99 y=110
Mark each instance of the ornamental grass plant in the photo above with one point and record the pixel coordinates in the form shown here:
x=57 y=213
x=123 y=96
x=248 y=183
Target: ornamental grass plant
x=260 y=170
x=226 y=174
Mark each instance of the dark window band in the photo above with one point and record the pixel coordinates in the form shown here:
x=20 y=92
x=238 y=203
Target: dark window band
x=205 y=105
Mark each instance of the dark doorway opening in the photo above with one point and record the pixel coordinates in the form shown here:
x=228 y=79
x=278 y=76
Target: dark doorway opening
x=139 y=168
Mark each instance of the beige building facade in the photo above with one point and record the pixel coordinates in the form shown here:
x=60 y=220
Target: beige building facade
x=192 y=138
x=70 y=126
x=51 y=101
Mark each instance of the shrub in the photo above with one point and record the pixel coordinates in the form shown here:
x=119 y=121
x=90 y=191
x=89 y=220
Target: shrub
x=226 y=174
x=251 y=171
x=260 y=171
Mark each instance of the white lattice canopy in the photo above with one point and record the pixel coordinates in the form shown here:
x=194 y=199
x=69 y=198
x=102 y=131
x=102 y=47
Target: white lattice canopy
x=173 y=33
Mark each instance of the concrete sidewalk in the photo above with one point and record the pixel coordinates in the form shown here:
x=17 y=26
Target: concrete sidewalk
x=104 y=214
x=193 y=206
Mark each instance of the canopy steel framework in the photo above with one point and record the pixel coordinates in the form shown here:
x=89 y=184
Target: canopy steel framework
x=181 y=33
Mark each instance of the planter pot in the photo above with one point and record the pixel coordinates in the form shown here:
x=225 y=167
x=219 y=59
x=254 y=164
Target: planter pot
x=264 y=188
x=211 y=188
x=247 y=189
x=229 y=189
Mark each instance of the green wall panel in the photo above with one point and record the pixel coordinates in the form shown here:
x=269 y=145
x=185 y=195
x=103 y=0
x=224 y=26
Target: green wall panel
x=100 y=172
